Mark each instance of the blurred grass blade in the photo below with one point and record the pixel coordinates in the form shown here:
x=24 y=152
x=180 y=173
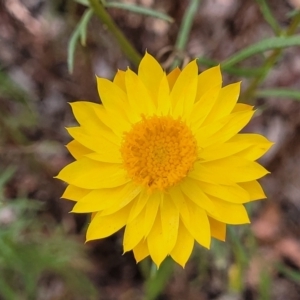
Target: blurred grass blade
x=262 y=46
x=11 y=89
x=83 y=2
x=244 y=72
x=268 y=16
x=292 y=13
x=139 y=10
x=6 y=175
x=79 y=32
x=289 y=272
x=279 y=93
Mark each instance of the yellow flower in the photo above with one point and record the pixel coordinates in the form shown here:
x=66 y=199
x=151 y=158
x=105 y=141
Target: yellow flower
x=163 y=157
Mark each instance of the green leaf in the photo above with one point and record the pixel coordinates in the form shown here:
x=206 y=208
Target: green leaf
x=132 y=8
x=292 y=13
x=289 y=272
x=159 y=279
x=79 y=32
x=244 y=72
x=262 y=46
x=268 y=16
x=279 y=93
x=139 y=10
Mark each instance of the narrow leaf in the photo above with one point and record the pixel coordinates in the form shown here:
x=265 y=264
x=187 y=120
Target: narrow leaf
x=262 y=46
x=79 y=32
x=268 y=16
x=139 y=10
x=279 y=93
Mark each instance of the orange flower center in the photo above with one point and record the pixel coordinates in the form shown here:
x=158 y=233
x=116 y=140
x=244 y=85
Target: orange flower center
x=158 y=152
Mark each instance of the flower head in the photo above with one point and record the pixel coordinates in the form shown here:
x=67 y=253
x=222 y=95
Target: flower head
x=162 y=156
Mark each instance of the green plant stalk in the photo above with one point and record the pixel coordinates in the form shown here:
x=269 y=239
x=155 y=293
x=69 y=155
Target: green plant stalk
x=185 y=28
x=158 y=279
x=106 y=19
x=247 y=96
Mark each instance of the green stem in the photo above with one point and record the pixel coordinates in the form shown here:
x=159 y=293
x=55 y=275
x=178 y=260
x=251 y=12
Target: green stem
x=247 y=96
x=106 y=19
x=184 y=30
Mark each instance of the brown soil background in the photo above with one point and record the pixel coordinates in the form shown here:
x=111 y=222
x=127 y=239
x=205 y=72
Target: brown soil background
x=34 y=35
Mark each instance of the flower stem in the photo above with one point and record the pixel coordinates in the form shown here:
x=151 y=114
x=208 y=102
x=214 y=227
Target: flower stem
x=184 y=30
x=106 y=19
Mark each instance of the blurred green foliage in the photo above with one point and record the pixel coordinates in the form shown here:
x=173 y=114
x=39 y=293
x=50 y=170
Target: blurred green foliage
x=35 y=257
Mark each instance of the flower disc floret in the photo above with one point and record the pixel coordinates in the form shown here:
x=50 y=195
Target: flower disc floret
x=158 y=152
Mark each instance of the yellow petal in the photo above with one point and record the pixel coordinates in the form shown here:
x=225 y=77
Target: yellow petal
x=241 y=107
x=138 y=205
x=152 y=207
x=156 y=242
x=225 y=103
x=204 y=174
x=119 y=80
x=108 y=156
x=114 y=122
x=184 y=246
x=163 y=98
x=104 y=199
x=112 y=97
x=90 y=174
x=138 y=96
x=104 y=226
x=106 y=151
x=254 y=189
x=236 y=169
x=203 y=107
x=95 y=120
x=172 y=77
x=222 y=130
x=79 y=134
x=132 y=196
x=169 y=222
x=230 y=148
x=181 y=203
x=141 y=251
x=231 y=193
x=77 y=150
x=254 y=152
x=258 y=145
x=84 y=113
x=93 y=215
x=229 y=213
x=97 y=200
x=134 y=232
x=74 y=193
x=217 y=229
x=207 y=80
x=192 y=190
x=184 y=91
x=240 y=145
x=199 y=226
x=150 y=72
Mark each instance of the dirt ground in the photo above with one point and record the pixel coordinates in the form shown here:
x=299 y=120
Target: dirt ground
x=34 y=37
